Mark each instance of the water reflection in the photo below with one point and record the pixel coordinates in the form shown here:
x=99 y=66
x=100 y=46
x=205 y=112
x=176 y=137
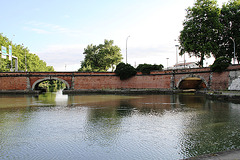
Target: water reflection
x=53 y=126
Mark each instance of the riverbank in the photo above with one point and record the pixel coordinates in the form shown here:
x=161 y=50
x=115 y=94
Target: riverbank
x=225 y=155
x=229 y=96
x=33 y=92
x=122 y=91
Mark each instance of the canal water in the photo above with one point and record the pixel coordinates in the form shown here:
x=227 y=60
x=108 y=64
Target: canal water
x=56 y=126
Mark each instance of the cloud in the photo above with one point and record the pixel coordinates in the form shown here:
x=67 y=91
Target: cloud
x=39 y=31
x=60 y=56
x=43 y=28
x=66 y=16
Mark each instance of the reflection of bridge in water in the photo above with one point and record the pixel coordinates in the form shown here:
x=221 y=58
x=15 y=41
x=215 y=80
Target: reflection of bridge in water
x=197 y=78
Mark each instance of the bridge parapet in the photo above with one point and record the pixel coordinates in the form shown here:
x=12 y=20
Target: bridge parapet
x=169 y=79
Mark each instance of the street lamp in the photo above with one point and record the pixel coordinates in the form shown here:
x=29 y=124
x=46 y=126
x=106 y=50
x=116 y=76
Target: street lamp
x=167 y=63
x=11 y=55
x=126 y=48
x=176 y=54
x=25 y=59
x=233 y=50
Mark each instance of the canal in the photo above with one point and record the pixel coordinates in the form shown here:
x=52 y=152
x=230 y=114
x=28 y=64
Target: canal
x=56 y=126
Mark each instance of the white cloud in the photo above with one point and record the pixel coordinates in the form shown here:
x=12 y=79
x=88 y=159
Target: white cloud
x=66 y=16
x=39 y=31
x=63 y=57
x=43 y=28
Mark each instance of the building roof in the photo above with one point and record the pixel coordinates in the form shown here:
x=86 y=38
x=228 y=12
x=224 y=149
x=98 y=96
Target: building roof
x=182 y=64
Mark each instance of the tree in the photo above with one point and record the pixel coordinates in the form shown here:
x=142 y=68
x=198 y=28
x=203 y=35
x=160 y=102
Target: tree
x=200 y=33
x=125 y=71
x=33 y=62
x=147 y=68
x=101 y=57
x=220 y=64
x=230 y=20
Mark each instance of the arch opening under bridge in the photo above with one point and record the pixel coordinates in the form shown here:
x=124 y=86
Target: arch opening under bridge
x=192 y=82
x=35 y=85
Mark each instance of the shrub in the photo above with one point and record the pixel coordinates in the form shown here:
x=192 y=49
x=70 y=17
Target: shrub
x=125 y=71
x=220 y=64
x=147 y=68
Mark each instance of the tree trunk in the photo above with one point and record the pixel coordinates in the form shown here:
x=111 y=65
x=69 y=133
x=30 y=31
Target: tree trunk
x=201 y=60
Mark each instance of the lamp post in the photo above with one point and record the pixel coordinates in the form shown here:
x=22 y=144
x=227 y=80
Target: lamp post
x=184 y=60
x=167 y=63
x=233 y=50
x=11 y=55
x=25 y=60
x=126 y=48
x=176 y=54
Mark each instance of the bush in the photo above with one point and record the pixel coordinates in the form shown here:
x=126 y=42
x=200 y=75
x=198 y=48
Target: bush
x=147 y=68
x=220 y=64
x=125 y=71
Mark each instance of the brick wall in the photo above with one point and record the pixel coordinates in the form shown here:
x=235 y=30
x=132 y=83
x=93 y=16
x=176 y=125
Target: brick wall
x=220 y=81
x=108 y=80
x=13 y=83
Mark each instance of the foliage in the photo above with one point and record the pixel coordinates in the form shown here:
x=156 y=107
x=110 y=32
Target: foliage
x=33 y=62
x=51 y=86
x=147 y=68
x=230 y=20
x=125 y=71
x=220 y=64
x=101 y=57
x=200 y=33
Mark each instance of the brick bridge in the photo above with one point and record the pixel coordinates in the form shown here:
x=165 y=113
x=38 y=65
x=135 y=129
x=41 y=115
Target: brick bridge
x=197 y=78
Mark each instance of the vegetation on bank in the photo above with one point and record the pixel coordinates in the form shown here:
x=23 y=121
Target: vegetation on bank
x=220 y=64
x=125 y=71
x=147 y=68
x=32 y=63
x=101 y=58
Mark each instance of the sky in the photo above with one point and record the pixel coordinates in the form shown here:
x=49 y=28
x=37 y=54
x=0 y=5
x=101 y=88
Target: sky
x=59 y=30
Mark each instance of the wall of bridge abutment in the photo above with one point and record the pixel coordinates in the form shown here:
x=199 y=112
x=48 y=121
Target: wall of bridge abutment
x=170 y=79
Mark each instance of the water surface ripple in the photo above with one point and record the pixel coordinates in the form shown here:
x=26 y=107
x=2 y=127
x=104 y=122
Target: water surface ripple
x=55 y=126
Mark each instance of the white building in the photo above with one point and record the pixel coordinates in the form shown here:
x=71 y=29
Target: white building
x=185 y=65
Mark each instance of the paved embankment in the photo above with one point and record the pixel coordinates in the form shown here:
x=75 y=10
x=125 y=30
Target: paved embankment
x=122 y=91
x=226 y=155
x=19 y=92
x=231 y=96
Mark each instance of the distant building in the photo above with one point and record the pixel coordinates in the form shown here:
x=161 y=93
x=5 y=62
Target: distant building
x=185 y=65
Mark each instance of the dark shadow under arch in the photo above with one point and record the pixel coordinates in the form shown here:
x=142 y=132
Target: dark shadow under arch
x=192 y=82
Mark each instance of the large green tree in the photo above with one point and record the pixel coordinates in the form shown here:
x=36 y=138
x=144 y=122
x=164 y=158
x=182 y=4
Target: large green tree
x=200 y=33
x=33 y=62
x=230 y=32
x=101 y=57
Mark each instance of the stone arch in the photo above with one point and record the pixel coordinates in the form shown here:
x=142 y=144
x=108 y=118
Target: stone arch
x=200 y=82
x=50 y=78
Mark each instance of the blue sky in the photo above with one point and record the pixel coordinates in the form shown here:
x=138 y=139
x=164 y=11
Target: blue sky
x=59 y=30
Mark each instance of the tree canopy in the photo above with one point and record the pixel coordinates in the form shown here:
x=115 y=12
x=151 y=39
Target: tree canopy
x=209 y=30
x=200 y=33
x=33 y=62
x=147 y=68
x=230 y=31
x=101 y=57
x=125 y=71
x=220 y=64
